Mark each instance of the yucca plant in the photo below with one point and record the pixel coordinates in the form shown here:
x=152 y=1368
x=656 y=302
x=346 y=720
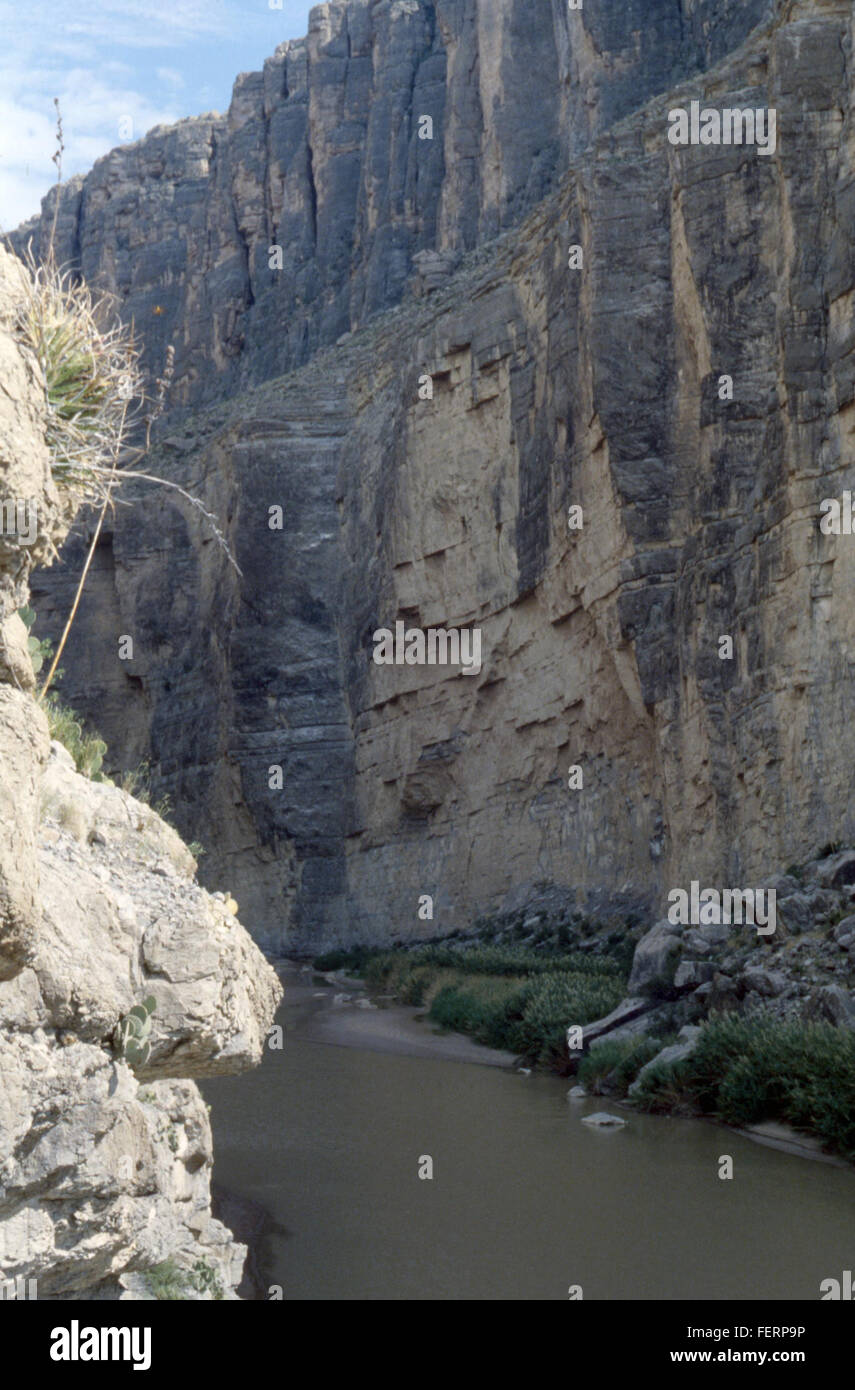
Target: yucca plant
x=94 y=389
x=90 y=374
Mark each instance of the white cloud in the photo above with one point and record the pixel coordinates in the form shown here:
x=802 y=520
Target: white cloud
x=170 y=76
x=92 y=112
x=104 y=59
x=122 y=23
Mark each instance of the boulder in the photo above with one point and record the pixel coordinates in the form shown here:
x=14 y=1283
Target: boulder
x=602 y=1120
x=714 y=933
x=838 y=870
x=655 y=961
x=694 y=942
x=844 y=933
x=677 y=1052
x=692 y=973
x=628 y=1018
x=122 y=918
x=100 y=1176
x=831 y=1004
x=784 y=886
x=797 y=913
x=769 y=983
x=724 y=994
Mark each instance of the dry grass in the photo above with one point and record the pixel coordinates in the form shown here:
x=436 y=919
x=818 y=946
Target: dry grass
x=89 y=366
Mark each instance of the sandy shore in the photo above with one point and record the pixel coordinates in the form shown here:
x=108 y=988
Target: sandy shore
x=312 y=1013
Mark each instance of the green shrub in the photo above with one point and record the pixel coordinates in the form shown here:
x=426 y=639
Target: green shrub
x=746 y=1070
x=560 y=999
x=510 y=997
x=354 y=961
x=87 y=750
x=490 y=1010
x=474 y=959
x=619 y=1061
x=167 y=1282
x=204 y=1279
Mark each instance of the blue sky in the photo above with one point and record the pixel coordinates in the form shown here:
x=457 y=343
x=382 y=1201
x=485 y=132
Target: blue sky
x=147 y=62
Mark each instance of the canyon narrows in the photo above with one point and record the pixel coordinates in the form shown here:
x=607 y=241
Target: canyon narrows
x=601 y=644
x=483 y=616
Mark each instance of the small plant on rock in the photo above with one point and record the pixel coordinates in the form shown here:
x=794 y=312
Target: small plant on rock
x=132 y=1032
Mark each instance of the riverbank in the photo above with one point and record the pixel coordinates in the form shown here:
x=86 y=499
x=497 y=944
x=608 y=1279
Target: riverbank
x=525 y=1199
x=397 y=1029
x=351 y=1017
x=717 y=1022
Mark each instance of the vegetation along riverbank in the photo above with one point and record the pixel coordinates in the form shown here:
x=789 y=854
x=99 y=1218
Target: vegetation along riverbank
x=718 y=1021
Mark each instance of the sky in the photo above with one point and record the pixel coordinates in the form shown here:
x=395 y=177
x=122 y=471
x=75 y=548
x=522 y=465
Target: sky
x=119 y=67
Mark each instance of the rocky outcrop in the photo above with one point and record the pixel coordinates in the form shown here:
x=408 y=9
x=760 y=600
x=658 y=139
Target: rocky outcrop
x=335 y=794
x=104 y=1172
x=117 y=889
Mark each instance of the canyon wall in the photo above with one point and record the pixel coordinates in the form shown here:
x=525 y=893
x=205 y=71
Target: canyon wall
x=598 y=386
x=322 y=155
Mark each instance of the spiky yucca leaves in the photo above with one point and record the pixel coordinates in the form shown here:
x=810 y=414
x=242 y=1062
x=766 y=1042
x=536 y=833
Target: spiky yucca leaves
x=90 y=372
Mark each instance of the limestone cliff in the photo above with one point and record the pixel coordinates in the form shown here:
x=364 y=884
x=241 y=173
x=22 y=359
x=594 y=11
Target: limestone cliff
x=322 y=154
x=104 y=1172
x=597 y=387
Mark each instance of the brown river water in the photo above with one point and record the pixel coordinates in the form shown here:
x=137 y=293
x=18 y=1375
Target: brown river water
x=525 y=1200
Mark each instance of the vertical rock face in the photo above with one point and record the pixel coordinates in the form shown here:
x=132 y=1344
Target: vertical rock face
x=322 y=156
x=100 y=1179
x=601 y=645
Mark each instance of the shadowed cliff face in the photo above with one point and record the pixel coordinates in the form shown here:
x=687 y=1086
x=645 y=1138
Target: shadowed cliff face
x=597 y=387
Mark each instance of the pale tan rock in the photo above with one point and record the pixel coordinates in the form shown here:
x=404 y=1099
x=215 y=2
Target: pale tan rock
x=99 y=1176
x=24 y=742
x=123 y=919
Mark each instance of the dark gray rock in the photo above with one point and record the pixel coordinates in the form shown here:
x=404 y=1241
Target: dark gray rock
x=655 y=961
x=797 y=913
x=769 y=983
x=677 y=1052
x=831 y=1004
x=838 y=871
x=692 y=973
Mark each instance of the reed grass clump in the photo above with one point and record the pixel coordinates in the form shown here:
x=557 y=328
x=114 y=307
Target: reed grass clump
x=748 y=1069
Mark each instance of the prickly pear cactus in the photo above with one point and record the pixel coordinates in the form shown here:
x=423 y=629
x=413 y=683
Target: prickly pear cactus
x=38 y=649
x=131 y=1034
